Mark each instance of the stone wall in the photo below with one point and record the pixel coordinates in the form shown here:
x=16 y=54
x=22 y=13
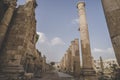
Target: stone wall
x=6 y=15
x=112 y=14
x=18 y=54
x=3 y=8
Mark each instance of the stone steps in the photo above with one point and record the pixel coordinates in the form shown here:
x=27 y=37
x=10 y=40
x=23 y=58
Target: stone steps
x=3 y=77
x=11 y=71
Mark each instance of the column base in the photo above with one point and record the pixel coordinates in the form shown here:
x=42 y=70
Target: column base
x=11 y=72
x=88 y=74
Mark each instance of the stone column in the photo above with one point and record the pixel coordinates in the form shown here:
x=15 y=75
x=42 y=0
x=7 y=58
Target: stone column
x=4 y=24
x=73 y=55
x=66 y=61
x=62 y=64
x=44 y=64
x=77 y=58
x=87 y=70
x=69 y=60
x=70 y=47
x=112 y=15
x=101 y=65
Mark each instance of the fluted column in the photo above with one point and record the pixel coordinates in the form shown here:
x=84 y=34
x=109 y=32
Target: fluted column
x=112 y=15
x=4 y=24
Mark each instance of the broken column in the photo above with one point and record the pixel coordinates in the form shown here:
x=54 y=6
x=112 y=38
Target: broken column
x=87 y=72
x=112 y=15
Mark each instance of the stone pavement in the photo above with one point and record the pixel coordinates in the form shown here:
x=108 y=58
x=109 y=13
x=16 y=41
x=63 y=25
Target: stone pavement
x=54 y=75
x=64 y=76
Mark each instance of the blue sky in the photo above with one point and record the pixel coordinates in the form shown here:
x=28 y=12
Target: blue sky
x=57 y=25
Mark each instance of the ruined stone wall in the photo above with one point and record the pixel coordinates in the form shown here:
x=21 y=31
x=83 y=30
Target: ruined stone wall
x=18 y=54
x=21 y=34
x=38 y=63
x=112 y=14
x=3 y=8
x=18 y=51
x=6 y=15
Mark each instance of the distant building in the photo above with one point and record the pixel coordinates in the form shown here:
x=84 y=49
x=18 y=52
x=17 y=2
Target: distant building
x=107 y=64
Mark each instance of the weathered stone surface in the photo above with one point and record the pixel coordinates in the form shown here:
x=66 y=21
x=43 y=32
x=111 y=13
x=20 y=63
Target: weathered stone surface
x=6 y=19
x=3 y=8
x=70 y=63
x=112 y=14
x=87 y=70
x=17 y=40
x=75 y=57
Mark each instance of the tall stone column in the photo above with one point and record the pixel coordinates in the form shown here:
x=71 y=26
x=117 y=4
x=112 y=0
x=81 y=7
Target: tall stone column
x=75 y=57
x=64 y=63
x=87 y=70
x=4 y=24
x=44 y=64
x=112 y=15
x=101 y=65
x=69 y=60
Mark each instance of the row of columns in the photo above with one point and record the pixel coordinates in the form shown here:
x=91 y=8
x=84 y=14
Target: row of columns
x=70 y=63
x=86 y=72
x=112 y=11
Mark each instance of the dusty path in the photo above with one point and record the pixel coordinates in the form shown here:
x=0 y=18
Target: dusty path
x=54 y=75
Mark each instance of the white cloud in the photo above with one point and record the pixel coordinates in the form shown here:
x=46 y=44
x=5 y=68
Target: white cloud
x=108 y=50
x=42 y=37
x=53 y=42
x=97 y=50
x=53 y=48
x=57 y=41
x=107 y=53
x=75 y=21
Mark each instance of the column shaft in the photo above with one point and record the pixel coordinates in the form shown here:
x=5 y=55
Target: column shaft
x=88 y=73
x=84 y=36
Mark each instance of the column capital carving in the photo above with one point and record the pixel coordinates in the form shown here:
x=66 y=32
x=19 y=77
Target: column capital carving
x=80 y=5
